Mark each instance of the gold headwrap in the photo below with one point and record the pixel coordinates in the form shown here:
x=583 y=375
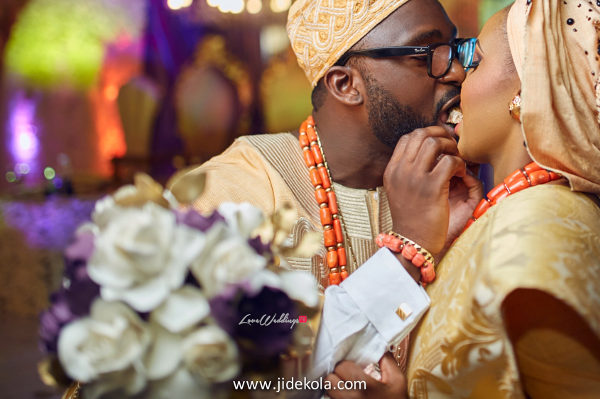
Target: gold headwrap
x=555 y=47
x=321 y=31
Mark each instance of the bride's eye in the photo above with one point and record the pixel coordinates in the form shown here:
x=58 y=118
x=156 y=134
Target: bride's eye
x=477 y=57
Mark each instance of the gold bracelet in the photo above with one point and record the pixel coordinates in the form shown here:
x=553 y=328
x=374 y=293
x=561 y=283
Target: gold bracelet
x=426 y=254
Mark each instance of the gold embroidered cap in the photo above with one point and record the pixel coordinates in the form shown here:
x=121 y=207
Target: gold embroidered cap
x=321 y=31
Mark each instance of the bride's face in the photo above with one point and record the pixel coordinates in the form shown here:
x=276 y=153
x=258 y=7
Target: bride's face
x=486 y=93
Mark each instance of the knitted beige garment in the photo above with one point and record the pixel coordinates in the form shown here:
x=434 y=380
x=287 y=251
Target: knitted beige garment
x=267 y=171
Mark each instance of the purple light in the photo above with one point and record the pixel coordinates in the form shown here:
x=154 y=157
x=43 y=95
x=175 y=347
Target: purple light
x=24 y=141
x=58 y=183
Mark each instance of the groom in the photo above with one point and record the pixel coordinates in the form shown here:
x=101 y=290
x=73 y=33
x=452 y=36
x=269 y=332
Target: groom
x=363 y=103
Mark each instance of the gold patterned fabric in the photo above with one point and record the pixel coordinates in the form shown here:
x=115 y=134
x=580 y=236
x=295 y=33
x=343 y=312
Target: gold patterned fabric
x=321 y=31
x=267 y=171
x=545 y=238
x=556 y=46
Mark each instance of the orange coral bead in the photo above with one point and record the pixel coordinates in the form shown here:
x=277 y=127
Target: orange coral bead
x=409 y=252
x=379 y=240
x=499 y=198
x=517 y=174
x=532 y=167
x=315 y=177
x=342 y=256
x=303 y=140
x=554 y=176
x=324 y=176
x=427 y=273
x=496 y=191
x=344 y=274
x=310 y=120
x=303 y=127
x=539 y=177
x=317 y=153
x=326 y=217
x=518 y=185
x=337 y=228
x=312 y=136
x=482 y=208
x=469 y=223
x=332 y=202
x=329 y=238
x=332 y=259
x=321 y=196
x=395 y=244
x=308 y=158
x=335 y=279
x=418 y=260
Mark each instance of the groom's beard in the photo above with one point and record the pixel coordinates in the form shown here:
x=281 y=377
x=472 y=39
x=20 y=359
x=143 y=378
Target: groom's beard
x=391 y=120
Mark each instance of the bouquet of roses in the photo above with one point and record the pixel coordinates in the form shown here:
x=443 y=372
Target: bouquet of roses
x=154 y=296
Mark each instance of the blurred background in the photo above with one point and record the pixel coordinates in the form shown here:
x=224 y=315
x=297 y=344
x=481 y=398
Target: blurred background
x=93 y=91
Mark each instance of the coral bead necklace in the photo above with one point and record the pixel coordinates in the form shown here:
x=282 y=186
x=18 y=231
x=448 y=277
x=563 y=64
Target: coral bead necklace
x=531 y=175
x=329 y=212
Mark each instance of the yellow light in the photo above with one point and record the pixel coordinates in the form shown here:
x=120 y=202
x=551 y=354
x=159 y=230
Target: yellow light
x=11 y=177
x=213 y=3
x=280 y=5
x=49 y=173
x=254 y=6
x=178 y=4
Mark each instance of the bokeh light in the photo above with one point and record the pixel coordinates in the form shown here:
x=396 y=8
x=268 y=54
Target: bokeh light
x=11 y=177
x=178 y=4
x=58 y=183
x=62 y=42
x=22 y=168
x=280 y=5
x=254 y=6
x=49 y=173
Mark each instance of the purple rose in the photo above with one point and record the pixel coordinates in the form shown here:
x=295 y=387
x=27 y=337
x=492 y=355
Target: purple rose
x=195 y=220
x=53 y=320
x=79 y=289
x=260 y=248
x=239 y=303
x=75 y=297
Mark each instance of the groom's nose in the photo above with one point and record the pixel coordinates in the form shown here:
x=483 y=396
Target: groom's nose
x=456 y=74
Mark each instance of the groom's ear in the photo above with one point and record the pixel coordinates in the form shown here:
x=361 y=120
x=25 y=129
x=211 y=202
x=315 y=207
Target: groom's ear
x=346 y=85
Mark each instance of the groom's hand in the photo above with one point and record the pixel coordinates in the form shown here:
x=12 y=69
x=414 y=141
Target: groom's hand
x=417 y=181
x=392 y=384
x=464 y=197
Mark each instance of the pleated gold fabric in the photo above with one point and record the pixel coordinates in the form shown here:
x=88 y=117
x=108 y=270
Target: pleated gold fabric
x=267 y=171
x=556 y=48
x=321 y=31
x=545 y=238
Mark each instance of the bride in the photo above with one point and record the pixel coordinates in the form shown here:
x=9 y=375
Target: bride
x=515 y=308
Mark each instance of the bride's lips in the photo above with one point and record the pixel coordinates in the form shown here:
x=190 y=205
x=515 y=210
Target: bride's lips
x=443 y=116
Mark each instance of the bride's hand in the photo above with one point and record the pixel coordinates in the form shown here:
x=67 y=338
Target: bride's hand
x=417 y=182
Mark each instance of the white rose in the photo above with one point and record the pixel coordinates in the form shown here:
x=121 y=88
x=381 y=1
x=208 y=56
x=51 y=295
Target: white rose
x=113 y=339
x=142 y=255
x=242 y=218
x=183 y=309
x=226 y=258
x=211 y=355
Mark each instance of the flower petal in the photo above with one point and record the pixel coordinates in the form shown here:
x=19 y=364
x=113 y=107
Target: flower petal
x=184 y=308
x=164 y=356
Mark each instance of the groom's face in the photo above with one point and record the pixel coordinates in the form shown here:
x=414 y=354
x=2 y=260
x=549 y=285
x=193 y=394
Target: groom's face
x=401 y=97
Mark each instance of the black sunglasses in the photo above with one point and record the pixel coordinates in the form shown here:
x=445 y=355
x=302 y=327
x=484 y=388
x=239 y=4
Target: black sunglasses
x=439 y=55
